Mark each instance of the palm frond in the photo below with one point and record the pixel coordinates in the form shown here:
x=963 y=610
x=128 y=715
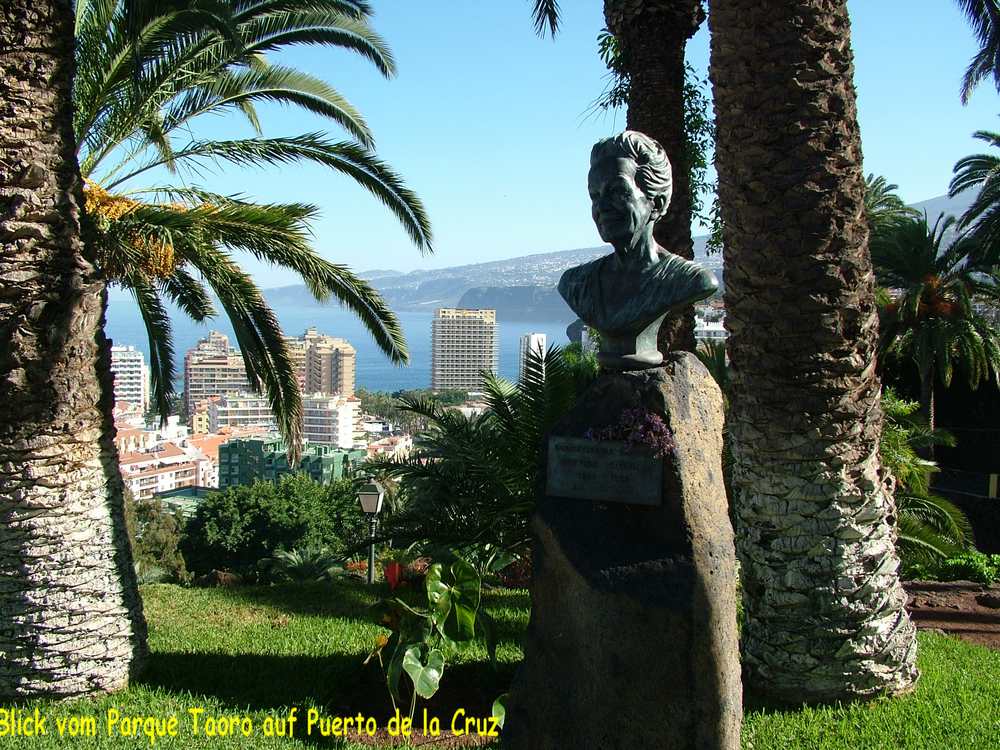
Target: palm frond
x=265 y=353
x=545 y=14
x=161 y=348
x=342 y=156
x=984 y=17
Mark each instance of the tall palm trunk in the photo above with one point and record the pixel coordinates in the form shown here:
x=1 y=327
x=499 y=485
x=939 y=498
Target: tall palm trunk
x=652 y=35
x=824 y=606
x=927 y=405
x=70 y=616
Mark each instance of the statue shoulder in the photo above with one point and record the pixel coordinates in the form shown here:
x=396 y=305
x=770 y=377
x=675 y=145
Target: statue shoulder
x=688 y=279
x=577 y=277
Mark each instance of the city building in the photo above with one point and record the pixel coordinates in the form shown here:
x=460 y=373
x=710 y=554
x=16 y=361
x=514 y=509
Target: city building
x=323 y=364
x=330 y=420
x=212 y=368
x=164 y=468
x=128 y=415
x=463 y=344
x=394 y=446
x=329 y=366
x=709 y=329
x=131 y=376
x=134 y=439
x=536 y=343
x=240 y=410
x=266 y=458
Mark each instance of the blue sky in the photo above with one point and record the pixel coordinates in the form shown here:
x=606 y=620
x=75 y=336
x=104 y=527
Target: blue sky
x=488 y=124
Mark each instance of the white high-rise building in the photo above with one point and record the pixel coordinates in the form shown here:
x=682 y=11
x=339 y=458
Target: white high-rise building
x=330 y=420
x=530 y=342
x=240 y=410
x=463 y=344
x=212 y=368
x=131 y=376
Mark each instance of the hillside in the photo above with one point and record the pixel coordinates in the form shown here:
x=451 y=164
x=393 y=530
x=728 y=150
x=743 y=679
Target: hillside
x=523 y=287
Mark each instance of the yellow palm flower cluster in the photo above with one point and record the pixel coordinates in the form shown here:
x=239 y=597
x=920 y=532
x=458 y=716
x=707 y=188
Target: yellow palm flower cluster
x=156 y=258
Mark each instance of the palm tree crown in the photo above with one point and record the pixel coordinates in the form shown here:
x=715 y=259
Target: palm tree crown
x=146 y=71
x=883 y=206
x=982 y=172
x=984 y=17
x=930 y=312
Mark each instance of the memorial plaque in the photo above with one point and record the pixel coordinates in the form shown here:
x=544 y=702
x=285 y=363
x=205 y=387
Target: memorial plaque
x=603 y=470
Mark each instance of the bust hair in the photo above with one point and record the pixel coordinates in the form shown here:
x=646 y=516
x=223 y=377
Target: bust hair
x=652 y=174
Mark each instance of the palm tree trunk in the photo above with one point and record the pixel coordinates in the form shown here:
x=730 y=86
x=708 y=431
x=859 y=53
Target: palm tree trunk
x=652 y=35
x=927 y=404
x=71 y=619
x=815 y=534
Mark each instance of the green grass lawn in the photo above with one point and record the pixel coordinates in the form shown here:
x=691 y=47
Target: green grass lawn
x=257 y=652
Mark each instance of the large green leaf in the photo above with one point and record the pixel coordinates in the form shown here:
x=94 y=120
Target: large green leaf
x=453 y=592
x=426 y=675
x=500 y=709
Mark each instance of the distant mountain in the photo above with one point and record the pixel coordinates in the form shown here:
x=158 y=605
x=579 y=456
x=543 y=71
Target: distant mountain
x=956 y=206
x=523 y=287
x=519 y=302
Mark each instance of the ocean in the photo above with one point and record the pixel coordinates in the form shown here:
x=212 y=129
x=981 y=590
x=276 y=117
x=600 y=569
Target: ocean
x=374 y=371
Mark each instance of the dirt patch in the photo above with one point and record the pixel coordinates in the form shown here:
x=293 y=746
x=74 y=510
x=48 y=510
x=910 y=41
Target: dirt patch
x=964 y=609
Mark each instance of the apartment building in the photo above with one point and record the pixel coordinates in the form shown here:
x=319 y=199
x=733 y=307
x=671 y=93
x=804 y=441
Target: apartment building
x=128 y=365
x=464 y=343
x=212 y=368
x=165 y=468
x=266 y=458
x=331 y=420
x=240 y=410
x=329 y=366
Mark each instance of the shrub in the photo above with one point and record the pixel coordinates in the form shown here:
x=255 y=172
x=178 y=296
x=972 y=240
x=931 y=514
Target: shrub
x=155 y=533
x=238 y=527
x=967 y=566
x=307 y=565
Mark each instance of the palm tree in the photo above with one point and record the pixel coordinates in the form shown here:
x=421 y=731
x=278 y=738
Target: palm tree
x=929 y=526
x=71 y=619
x=883 y=206
x=147 y=71
x=825 y=612
x=473 y=481
x=712 y=353
x=984 y=16
x=982 y=172
x=929 y=313
x=650 y=38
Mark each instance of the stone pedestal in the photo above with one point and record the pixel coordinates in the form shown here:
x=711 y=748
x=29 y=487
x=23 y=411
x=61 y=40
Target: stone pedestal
x=632 y=641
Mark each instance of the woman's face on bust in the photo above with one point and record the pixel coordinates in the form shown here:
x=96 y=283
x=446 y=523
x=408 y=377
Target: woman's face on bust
x=618 y=205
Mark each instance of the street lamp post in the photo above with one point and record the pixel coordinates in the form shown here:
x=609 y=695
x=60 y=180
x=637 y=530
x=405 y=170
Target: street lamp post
x=371 y=495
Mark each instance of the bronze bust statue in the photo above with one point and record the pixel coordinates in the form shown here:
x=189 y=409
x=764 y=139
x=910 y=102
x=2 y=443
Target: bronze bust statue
x=626 y=295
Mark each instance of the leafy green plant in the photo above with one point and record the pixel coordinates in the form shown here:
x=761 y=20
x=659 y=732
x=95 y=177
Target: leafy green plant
x=472 y=481
x=930 y=311
x=971 y=565
x=155 y=535
x=238 y=527
x=930 y=527
x=425 y=637
x=305 y=565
